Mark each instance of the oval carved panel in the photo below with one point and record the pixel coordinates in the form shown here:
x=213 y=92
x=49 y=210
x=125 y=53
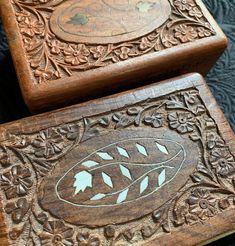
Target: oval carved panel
x=108 y=21
x=107 y=179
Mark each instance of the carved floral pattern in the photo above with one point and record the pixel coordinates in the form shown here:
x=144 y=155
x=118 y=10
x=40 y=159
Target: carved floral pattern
x=47 y=143
x=51 y=58
x=155 y=120
x=182 y=122
x=28 y=158
x=185 y=33
x=16 y=182
x=56 y=233
x=223 y=162
x=202 y=203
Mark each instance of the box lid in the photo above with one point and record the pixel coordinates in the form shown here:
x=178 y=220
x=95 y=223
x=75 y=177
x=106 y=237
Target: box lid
x=68 y=51
x=150 y=165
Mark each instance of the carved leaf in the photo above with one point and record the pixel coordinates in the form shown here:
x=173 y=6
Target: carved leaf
x=174 y=103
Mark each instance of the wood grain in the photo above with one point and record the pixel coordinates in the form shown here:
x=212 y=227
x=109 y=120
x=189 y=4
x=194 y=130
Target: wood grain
x=54 y=71
x=155 y=164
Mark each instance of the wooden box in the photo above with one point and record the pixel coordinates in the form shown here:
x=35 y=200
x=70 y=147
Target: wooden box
x=153 y=166
x=70 y=51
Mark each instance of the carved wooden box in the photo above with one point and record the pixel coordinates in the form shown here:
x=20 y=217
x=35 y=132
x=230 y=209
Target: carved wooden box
x=70 y=51
x=150 y=166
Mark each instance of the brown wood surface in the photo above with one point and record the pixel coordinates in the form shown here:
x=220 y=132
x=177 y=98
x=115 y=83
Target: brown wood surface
x=59 y=66
x=151 y=166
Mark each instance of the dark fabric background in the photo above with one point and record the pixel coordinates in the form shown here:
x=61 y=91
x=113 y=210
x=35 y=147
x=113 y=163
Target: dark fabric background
x=221 y=78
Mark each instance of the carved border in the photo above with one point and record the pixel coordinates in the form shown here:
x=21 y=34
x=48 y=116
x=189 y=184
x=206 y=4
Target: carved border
x=27 y=158
x=51 y=58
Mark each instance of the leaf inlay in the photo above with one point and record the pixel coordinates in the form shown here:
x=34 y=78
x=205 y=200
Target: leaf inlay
x=122 y=196
x=162 y=177
x=144 y=184
x=105 y=156
x=107 y=179
x=125 y=171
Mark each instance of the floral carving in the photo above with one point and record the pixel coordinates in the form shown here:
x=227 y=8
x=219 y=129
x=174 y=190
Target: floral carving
x=184 y=4
x=222 y=161
x=56 y=233
x=30 y=27
x=97 y=51
x=123 y=53
x=16 y=182
x=155 y=120
x=182 y=122
x=202 y=203
x=185 y=33
x=47 y=144
x=43 y=75
x=27 y=159
x=76 y=54
x=51 y=58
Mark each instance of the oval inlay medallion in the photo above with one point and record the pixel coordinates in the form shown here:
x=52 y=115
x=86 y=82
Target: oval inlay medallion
x=118 y=177
x=108 y=21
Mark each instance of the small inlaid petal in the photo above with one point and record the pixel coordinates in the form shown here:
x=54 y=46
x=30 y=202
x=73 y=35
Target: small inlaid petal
x=122 y=196
x=107 y=179
x=162 y=148
x=141 y=149
x=144 y=184
x=122 y=152
x=97 y=197
x=105 y=156
x=162 y=177
x=90 y=163
x=125 y=171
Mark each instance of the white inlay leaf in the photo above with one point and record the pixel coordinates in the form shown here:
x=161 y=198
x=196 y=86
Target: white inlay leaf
x=125 y=171
x=105 y=156
x=144 y=184
x=90 y=163
x=162 y=148
x=123 y=152
x=107 y=179
x=83 y=180
x=97 y=197
x=162 y=177
x=141 y=149
x=122 y=196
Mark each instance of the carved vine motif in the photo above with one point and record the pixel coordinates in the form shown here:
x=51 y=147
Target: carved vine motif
x=51 y=58
x=26 y=158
